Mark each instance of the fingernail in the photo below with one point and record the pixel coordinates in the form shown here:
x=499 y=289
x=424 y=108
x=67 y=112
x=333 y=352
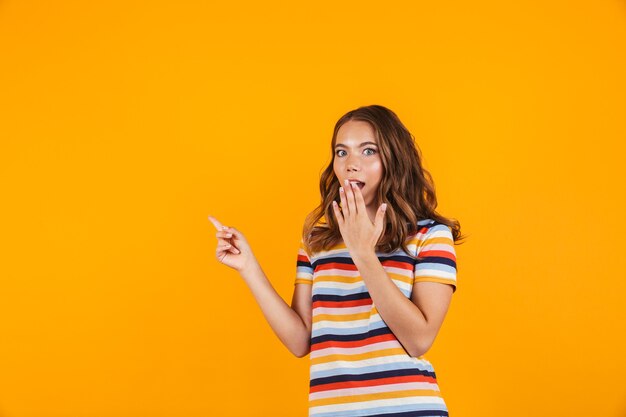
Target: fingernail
x=384 y=206
x=341 y=189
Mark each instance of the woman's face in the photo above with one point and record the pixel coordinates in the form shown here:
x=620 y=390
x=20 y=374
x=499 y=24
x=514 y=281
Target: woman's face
x=357 y=157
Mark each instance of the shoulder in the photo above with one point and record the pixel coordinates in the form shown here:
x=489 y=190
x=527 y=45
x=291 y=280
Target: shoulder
x=428 y=225
x=429 y=229
x=432 y=226
x=304 y=245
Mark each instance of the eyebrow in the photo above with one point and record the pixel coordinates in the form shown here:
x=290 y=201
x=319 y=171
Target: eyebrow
x=341 y=145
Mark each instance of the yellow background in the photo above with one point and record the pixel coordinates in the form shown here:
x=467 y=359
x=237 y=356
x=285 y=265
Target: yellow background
x=123 y=125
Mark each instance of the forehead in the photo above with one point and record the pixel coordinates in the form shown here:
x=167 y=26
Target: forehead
x=355 y=132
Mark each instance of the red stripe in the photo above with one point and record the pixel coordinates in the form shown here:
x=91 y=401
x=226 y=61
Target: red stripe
x=348 y=267
x=398 y=264
x=336 y=265
x=440 y=253
x=372 y=382
x=353 y=343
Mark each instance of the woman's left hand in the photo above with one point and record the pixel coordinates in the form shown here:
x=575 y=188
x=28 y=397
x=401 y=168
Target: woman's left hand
x=359 y=233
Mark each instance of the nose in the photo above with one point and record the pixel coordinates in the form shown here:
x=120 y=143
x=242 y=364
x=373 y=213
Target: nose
x=352 y=163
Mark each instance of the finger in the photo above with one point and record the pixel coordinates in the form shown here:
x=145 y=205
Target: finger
x=222 y=246
x=223 y=234
x=337 y=212
x=350 y=197
x=379 y=220
x=227 y=247
x=344 y=202
x=221 y=241
x=236 y=233
x=358 y=199
x=215 y=222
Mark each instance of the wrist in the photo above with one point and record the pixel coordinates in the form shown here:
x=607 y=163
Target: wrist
x=364 y=255
x=250 y=269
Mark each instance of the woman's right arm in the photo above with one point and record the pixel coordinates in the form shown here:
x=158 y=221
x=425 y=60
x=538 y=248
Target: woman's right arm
x=292 y=324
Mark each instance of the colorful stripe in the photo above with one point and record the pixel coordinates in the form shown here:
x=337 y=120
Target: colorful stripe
x=357 y=366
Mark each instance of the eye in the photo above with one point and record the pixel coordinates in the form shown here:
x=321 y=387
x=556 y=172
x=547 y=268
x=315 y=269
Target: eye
x=366 y=149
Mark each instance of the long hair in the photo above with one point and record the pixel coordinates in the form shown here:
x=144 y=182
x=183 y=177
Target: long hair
x=406 y=187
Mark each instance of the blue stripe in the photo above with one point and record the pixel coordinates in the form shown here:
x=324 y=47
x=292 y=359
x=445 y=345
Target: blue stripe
x=351 y=330
x=302 y=268
x=437 y=409
x=448 y=266
x=319 y=290
x=423 y=366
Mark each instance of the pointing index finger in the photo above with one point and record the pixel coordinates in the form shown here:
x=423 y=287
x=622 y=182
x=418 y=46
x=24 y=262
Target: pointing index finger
x=216 y=223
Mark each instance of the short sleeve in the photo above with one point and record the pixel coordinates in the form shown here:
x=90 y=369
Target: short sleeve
x=438 y=257
x=304 y=269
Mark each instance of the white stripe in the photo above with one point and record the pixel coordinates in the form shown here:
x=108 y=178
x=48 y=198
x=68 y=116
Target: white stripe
x=345 y=392
x=363 y=405
x=330 y=253
x=438 y=273
x=355 y=365
x=438 y=232
x=342 y=310
x=398 y=271
x=339 y=285
x=333 y=272
x=446 y=247
x=402 y=285
x=388 y=344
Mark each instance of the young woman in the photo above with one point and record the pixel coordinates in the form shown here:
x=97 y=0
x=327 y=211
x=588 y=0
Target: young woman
x=376 y=270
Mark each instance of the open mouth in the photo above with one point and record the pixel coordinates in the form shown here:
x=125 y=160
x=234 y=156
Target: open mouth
x=359 y=184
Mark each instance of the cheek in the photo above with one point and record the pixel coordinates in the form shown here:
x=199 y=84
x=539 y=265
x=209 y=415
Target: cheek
x=376 y=170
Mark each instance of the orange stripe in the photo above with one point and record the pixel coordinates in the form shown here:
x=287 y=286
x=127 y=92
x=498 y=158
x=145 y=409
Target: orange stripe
x=342 y=317
x=374 y=396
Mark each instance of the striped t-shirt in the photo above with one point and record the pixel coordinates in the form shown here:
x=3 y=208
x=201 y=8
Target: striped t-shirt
x=358 y=366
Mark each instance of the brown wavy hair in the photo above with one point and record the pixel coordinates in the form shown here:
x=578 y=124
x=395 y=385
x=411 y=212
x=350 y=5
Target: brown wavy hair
x=406 y=187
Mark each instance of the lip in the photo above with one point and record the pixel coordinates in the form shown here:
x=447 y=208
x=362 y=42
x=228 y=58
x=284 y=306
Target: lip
x=355 y=180
x=361 y=183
